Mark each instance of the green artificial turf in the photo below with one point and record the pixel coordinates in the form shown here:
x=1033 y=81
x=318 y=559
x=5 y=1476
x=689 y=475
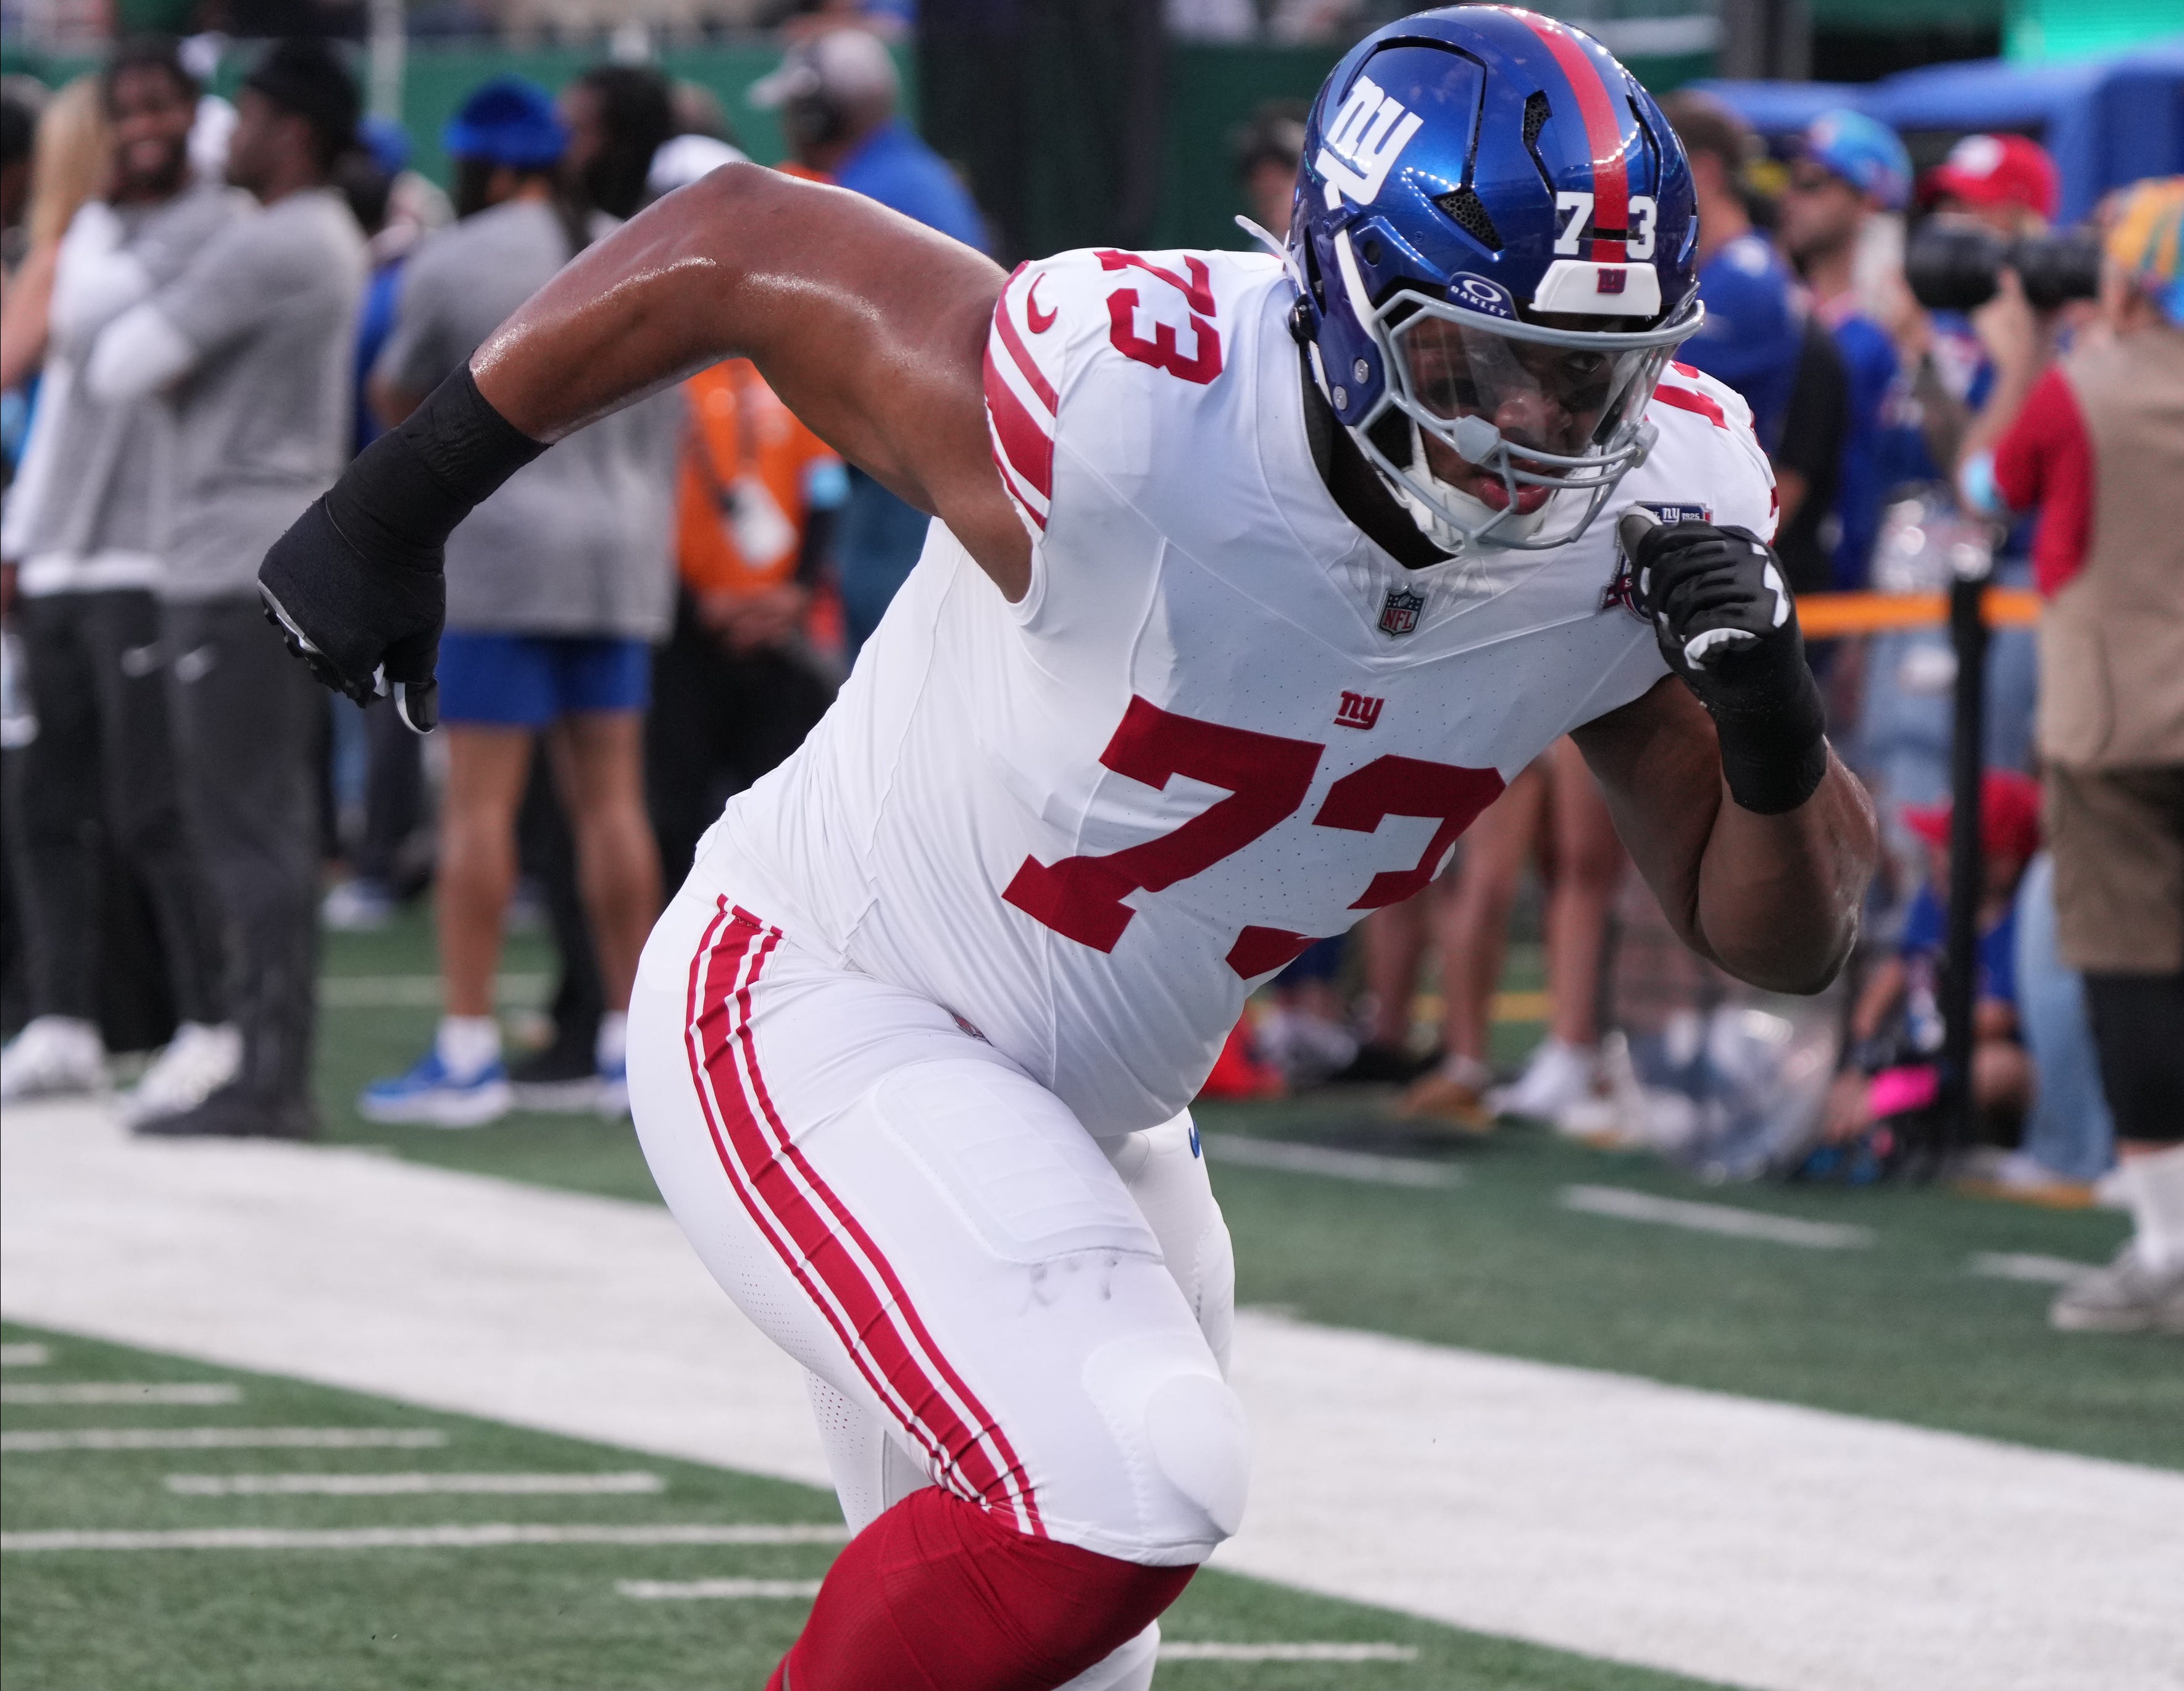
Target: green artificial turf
x=543 y=1617
x=1901 y=1331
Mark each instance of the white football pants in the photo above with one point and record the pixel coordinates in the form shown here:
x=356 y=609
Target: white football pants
x=983 y=1295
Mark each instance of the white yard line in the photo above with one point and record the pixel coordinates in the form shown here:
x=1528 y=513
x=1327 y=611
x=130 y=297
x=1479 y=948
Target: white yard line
x=1625 y=1205
x=200 y=1395
x=411 y=1485
x=224 y=1439
x=1211 y=1652
x=24 y=1356
x=492 y=1536
x=674 y=1590
x=1754 y=1544
x=1319 y=1159
x=2026 y=1266
x=418 y=992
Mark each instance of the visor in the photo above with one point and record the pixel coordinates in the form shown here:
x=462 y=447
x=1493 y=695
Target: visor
x=1530 y=406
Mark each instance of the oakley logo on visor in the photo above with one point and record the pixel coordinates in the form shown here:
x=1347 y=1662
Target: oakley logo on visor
x=1368 y=134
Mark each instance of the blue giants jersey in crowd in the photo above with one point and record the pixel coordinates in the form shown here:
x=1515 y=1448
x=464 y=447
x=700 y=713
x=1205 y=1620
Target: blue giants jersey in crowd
x=1751 y=336
x=894 y=167
x=1870 y=363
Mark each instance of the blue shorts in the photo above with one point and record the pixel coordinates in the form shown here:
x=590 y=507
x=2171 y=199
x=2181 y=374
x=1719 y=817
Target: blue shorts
x=528 y=680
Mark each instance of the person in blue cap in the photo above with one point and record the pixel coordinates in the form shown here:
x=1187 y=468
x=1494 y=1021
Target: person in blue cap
x=505 y=141
x=556 y=597
x=1850 y=171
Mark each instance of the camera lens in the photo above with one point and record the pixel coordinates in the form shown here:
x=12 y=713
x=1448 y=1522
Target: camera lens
x=1951 y=266
x=2057 y=268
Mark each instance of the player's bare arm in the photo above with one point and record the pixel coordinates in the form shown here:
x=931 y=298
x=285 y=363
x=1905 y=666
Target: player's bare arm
x=1756 y=840
x=1772 y=899
x=871 y=327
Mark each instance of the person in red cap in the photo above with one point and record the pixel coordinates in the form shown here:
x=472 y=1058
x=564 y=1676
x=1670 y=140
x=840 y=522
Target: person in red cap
x=2005 y=182
x=1896 y=1026
x=1956 y=362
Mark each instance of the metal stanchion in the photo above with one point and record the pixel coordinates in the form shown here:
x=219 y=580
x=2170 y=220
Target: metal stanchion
x=1967 y=634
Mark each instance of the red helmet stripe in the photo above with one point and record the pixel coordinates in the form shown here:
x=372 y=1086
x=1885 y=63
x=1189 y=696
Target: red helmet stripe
x=1611 y=169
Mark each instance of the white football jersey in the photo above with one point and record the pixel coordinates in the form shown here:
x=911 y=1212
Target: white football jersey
x=1221 y=723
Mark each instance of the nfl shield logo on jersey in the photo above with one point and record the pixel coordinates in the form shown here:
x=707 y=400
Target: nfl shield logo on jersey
x=1398 y=614
x=1621 y=589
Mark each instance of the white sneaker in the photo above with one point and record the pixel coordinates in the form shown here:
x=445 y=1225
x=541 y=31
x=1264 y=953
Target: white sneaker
x=1304 y=1047
x=1558 y=1076
x=54 y=1057
x=197 y=1062
x=357 y=906
x=2129 y=1296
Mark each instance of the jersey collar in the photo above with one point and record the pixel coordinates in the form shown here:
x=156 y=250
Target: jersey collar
x=1360 y=494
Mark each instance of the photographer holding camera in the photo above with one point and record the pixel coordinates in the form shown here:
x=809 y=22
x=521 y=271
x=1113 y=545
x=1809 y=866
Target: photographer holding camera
x=2095 y=442
x=2001 y=286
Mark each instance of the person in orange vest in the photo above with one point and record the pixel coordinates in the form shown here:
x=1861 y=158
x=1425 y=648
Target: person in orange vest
x=741 y=680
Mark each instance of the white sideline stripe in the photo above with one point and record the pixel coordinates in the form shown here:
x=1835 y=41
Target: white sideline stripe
x=1746 y=1543
x=2028 y=1266
x=196 y=1395
x=1319 y=1159
x=1211 y=1652
x=418 y=991
x=411 y=1485
x=1626 y=1205
x=492 y=1536
x=226 y=1438
x=24 y=1356
x=672 y=1590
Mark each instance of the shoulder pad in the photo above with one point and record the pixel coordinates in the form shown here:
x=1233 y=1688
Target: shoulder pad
x=1742 y=478
x=1158 y=317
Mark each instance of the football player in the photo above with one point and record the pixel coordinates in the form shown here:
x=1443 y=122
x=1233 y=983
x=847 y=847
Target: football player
x=1253 y=578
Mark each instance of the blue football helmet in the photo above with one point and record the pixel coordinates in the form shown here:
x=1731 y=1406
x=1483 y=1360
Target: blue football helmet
x=1494 y=253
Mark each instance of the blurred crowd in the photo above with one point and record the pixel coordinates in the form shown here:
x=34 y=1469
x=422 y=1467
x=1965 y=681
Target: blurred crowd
x=211 y=305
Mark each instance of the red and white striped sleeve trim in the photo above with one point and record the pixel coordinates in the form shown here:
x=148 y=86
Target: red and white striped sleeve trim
x=1685 y=388
x=1021 y=401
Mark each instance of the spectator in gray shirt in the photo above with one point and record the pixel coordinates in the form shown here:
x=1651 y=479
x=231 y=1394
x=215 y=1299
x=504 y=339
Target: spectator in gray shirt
x=252 y=341
x=557 y=585
x=83 y=537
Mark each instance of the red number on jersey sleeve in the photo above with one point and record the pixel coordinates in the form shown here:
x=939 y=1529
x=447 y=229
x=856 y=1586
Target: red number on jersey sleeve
x=1407 y=786
x=1266 y=776
x=1163 y=351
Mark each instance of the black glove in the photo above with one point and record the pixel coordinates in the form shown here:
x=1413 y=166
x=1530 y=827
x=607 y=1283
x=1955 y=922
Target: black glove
x=356 y=585
x=1728 y=627
x=366 y=627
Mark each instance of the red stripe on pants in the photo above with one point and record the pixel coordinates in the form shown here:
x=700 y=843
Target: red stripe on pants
x=822 y=1244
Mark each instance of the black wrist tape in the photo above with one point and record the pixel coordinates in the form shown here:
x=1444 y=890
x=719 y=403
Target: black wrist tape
x=406 y=491
x=1773 y=756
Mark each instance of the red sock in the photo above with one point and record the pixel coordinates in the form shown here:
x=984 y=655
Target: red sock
x=938 y=1594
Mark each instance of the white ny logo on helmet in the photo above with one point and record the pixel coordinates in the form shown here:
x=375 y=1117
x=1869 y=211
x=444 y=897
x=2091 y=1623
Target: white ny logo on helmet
x=1368 y=134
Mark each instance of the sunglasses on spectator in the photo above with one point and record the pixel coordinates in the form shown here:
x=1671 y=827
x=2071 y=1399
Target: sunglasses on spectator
x=1810 y=178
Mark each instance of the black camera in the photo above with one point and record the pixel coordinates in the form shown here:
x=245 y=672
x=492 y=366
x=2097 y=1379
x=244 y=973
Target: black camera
x=1955 y=266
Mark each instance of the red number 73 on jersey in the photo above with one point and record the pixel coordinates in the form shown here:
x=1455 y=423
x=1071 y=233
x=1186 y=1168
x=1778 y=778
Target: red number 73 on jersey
x=1266 y=776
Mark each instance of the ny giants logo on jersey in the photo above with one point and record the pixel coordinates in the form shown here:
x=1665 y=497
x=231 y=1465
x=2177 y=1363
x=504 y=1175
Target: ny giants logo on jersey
x=1399 y=610
x=1622 y=588
x=1358 y=710
x=1367 y=135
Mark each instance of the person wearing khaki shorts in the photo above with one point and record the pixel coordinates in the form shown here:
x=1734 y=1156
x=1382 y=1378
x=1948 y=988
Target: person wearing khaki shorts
x=2096 y=444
